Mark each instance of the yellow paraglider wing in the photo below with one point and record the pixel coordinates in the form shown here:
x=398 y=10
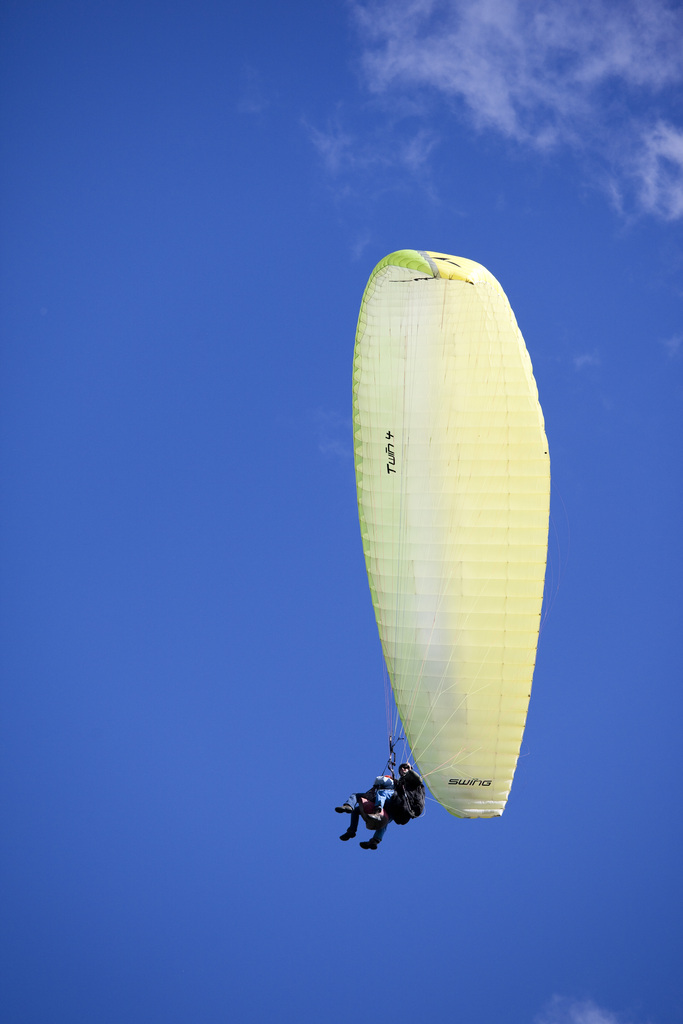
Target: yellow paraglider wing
x=453 y=481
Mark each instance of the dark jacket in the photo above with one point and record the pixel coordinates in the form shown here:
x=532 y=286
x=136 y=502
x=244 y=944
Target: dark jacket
x=408 y=800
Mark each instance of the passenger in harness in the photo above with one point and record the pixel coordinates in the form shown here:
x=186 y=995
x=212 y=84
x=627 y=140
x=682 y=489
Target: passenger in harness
x=388 y=800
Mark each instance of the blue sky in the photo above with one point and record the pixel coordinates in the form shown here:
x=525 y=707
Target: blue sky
x=193 y=198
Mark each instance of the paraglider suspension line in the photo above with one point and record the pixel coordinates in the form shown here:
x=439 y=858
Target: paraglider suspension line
x=391 y=763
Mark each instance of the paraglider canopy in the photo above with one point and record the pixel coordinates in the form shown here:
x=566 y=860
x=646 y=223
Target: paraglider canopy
x=453 y=483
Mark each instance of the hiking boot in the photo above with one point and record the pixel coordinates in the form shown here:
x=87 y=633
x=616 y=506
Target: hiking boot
x=344 y=809
x=347 y=835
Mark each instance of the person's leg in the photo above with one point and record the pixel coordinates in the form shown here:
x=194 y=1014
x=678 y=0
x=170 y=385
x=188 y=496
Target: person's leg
x=352 y=802
x=379 y=834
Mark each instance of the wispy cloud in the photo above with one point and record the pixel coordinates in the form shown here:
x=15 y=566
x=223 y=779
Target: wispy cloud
x=585 y=74
x=673 y=346
x=252 y=97
x=342 y=151
x=337 y=149
x=586 y=359
x=360 y=245
x=334 y=434
x=572 y=1011
x=659 y=170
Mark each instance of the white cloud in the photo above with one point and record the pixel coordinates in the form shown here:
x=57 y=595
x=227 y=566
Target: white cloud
x=334 y=434
x=360 y=245
x=341 y=152
x=337 y=149
x=585 y=74
x=572 y=1011
x=659 y=171
x=586 y=359
x=673 y=345
x=252 y=98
